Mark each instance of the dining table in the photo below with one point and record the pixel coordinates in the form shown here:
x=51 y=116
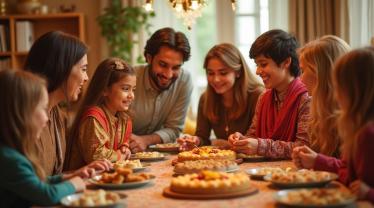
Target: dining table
x=151 y=194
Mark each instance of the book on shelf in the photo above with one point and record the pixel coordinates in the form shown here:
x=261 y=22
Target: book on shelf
x=4 y=38
x=24 y=35
x=4 y=63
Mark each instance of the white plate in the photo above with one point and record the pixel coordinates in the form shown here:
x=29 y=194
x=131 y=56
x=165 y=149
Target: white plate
x=149 y=159
x=251 y=158
x=322 y=183
x=68 y=200
x=127 y=185
x=254 y=173
x=280 y=196
x=164 y=149
x=144 y=166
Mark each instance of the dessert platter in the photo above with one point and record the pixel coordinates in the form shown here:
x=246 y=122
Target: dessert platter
x=121 y=178
x=210 y=185
x=196 y=166
x=148 y=156
x=135 y=165
x=168 y=147
x=301 y=178
x=323 y=197
x=95 y=198
x=250 y=158
x=206 y=153
x=260 y=173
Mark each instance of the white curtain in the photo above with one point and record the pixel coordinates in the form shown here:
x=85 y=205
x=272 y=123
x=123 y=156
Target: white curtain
x=361 y=15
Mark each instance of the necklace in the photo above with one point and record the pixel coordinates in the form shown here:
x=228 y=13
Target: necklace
x=226 y=123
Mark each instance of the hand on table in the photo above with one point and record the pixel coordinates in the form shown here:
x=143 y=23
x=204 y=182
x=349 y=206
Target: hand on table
x=242 y=144
x=359 y=188
x=188 y=142
x=304 y=157
x=137 y=144
x=126 y=153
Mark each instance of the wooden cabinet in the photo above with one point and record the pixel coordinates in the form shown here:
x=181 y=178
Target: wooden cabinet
x=72 y=23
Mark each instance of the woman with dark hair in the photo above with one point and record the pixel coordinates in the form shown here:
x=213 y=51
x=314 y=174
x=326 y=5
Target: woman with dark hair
x=23 y=181
x=62 y=60
x=282 y=112
x=229 y=102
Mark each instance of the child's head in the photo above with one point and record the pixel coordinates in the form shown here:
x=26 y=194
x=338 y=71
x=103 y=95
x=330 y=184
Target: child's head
x=353 y=80
x=316 y=61
x=113 y=84
x=24 y=102
x=227 y=74
x=226 y=69
x=279 y=46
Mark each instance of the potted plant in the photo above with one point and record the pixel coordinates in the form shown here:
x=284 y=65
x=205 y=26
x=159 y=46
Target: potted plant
x=119 y=24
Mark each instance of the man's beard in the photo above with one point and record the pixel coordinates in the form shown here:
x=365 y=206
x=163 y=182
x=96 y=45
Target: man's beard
x=155 y=80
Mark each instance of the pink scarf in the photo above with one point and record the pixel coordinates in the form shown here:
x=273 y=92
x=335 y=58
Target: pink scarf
x=285 y=125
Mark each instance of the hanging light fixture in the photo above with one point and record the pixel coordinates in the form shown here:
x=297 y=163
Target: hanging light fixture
x=148 y=6
x=188 y=10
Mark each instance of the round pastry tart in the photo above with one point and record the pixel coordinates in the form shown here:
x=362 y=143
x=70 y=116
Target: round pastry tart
x=206 y=153
x=128 y=164
x=210 y=182
x=195 y=166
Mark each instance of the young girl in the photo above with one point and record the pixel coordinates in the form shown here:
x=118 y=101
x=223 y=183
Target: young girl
x=102 y=127
x=282 y=112
x=353 y=81
x=316 y=62
x=23 y=117
x=229 y=101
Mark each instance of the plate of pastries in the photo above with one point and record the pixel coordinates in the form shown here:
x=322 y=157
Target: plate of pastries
x=206 y=153
x=196 y=166
x=122 y=178
x=167 y=147
x=315 y=197
x=210 y=185
x=301 y=178
x=135 y=165
x=260 y=173
x=148 y=156
x=95 y=198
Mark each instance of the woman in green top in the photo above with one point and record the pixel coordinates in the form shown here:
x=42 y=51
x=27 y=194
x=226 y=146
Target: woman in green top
x=24 y=102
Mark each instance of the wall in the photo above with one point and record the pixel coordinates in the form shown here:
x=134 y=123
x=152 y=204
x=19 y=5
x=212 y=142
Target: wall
x=90 y=9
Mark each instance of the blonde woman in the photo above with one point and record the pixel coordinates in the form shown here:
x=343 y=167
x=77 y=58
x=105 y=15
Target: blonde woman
x=316 y=62
x=24 y=115
x=353 y=81
x=229 y=102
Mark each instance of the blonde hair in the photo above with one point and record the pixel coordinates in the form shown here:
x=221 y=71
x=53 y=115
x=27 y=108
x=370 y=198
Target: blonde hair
x=246 y=82
x=20 y=93
x=320 y=55
x=354 y=87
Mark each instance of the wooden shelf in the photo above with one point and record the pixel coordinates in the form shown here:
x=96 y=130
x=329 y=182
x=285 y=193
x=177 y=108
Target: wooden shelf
x=72 y=23
x=5 y=53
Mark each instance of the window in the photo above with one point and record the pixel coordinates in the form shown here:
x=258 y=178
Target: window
x=240 y=28
x=251 y=20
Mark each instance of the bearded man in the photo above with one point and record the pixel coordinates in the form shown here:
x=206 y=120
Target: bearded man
x=163 y=90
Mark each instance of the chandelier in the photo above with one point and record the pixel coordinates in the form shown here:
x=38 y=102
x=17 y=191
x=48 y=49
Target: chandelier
x=187 y=10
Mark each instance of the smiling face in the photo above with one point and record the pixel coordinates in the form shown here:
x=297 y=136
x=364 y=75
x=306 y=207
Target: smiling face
x=119 y=96
x=78 y=76
x=165 y=67
x=220 y=77
x=273 y=76
x=40 y=115
x=308 y=76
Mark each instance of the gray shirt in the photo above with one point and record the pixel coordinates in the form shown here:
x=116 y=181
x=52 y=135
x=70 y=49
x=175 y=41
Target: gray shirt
x=162 y=113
